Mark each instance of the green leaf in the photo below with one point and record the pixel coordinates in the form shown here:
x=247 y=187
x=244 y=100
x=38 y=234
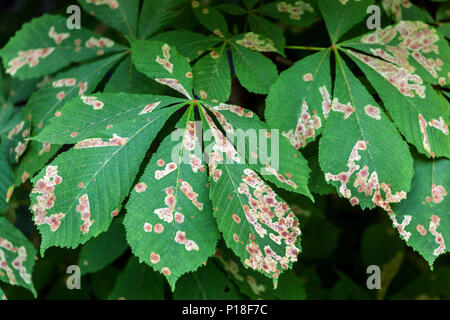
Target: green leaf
x=301 y=93
x=372 y=158
x=408 y=101
x=76 y=82
x=207 y=283
x=293 y=12
x=250 y=283
x=250 y=3
x=138 y=282
x=51 y=46
x=422 y=219
x=231 y=8
x=427 y=286
x=443 y=12
x=317 y=183
x=268 y=243
x=14 y=141
x=36 y=156
x=212 y=78
x=103 y=281
x=3 y=91
x=127 y=79
x=9 y=116
x=255 y=72
x=319 y=237
x=20 y=91
x=266 y=28
x=413 y=46
x=211 y=19
x=46 y=104
x=160 y=61
x=273 y=158
x=291 y=287
x=188 y=43
x=2 y=295
x=254 y=285
x=59 y=291
x=119 y=14
x=169 y=219
x=17 y=256
x=405 y=10
x=89 y=182
x=121 y=114
x=99 y=252
x=380 y=243
x=156 y=14
x=6 y=179
x=381 y=246
x=341 y=16
x=444 y=29
x=347 y=288
x=255 y=42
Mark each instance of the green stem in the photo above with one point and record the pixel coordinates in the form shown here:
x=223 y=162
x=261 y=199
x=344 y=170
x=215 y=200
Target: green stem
x=305 y=48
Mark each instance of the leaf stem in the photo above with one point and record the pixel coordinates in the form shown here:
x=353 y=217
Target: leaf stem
x=305 y=48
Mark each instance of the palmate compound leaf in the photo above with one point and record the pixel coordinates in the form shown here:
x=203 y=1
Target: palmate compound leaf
x=408 y=101
x=255 y=223
x=17 y=257
x=169 y=221
x=122 y=15
x=45 y=45
x=373 y=165
x=340 y=16
x=423 y=218
x=78 y=194
x=303 y=93
x=282 y=231
x=271 y=155
x=46 y=104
